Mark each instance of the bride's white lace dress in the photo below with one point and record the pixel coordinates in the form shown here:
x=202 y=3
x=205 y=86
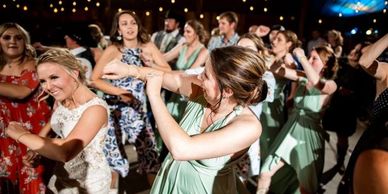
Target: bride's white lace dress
x=89 y=171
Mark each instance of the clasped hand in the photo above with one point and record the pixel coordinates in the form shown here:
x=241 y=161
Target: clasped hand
x=15 y=129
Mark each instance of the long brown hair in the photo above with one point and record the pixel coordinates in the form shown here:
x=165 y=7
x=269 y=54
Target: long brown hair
x=142 y=35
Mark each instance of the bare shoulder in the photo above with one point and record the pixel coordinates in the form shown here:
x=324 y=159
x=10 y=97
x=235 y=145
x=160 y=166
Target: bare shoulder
x=30 y=64
x=148 y=45
x=111 y=49
x=204 y=50
x=247 y=120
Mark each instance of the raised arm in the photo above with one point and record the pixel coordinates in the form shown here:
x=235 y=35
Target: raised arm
x=175 y=81
x=368 y=59
x=326 y=86
x=91 y=121
x=173 y=53
x=201 y=59
x=96 y=80
x=234 y=137
x=152 y=57
x=282 y=69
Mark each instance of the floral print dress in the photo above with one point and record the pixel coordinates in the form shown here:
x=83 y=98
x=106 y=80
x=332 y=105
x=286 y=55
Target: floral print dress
x=130 y=121
x=34 y=114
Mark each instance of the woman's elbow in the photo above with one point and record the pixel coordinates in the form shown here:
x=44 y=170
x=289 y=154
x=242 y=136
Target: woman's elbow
x=179 y=154
x=364 y=61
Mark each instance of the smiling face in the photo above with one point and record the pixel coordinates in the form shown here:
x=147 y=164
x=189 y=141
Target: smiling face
x=190 y=34
x=12 y=43
x=128 y=27
x=209 y=84
x=56 y=81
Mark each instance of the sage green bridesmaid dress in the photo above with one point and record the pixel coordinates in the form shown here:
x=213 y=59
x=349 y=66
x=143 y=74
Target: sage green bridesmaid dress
x=212 y=176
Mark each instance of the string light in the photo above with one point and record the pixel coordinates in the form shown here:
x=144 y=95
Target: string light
x=62 y=9
x=160 y=9
x=244 y=1
x=384 y=10
x=186 y=10
x=55 y=10
x=119 y=10
x=98 y=4
x=340 y=14
x=73 y=10
x=320 y=21
x=172 y=1
x=265 y=9
x=51 y=5
x=374 y=20
x=218 y=17
x=201 y=16
x=281 y=18
x=147 y=13
x=86 y=8
x=368 y=32
x=4 y=6
x=251 y=8
x=60 y=2
x=74 y=3
x=17 y=5
x=25 y=8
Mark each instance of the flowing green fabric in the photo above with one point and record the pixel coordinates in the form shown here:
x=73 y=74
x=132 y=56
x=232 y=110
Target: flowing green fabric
x=300 y=143
x=272 y=117
x=212 y=176
x=176 y=105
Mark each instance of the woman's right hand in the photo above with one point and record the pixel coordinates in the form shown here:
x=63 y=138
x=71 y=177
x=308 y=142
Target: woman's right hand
x=116 y=69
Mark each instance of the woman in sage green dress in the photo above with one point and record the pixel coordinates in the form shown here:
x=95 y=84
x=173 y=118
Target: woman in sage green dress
x=274 y=113
x=217 y=127
x=300 y=143
x=191 y=54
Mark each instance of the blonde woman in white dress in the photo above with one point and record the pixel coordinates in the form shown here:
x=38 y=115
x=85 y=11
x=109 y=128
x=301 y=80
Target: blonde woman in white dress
x=80 y=121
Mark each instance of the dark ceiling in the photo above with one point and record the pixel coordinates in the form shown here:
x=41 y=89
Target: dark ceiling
x=299 y=15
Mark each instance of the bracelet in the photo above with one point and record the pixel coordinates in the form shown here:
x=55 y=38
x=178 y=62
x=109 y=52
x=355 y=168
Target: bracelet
x=25 y=133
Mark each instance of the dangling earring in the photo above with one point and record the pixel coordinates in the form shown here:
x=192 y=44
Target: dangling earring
x=119 y=37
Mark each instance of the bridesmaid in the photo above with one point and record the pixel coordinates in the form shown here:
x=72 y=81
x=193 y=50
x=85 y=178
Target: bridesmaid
x=300 y=143
x=218 y=126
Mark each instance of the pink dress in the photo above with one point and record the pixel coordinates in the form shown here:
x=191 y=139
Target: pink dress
x=14 y=176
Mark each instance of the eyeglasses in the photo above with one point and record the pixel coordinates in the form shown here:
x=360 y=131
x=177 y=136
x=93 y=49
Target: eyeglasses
x=8 y=37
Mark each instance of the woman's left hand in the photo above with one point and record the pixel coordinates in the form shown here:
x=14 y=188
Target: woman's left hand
x=15 y=130
x=299 y=52
x=154 y=83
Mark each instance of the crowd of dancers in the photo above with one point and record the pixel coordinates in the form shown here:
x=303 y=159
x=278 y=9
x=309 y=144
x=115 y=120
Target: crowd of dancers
x=207 y=113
